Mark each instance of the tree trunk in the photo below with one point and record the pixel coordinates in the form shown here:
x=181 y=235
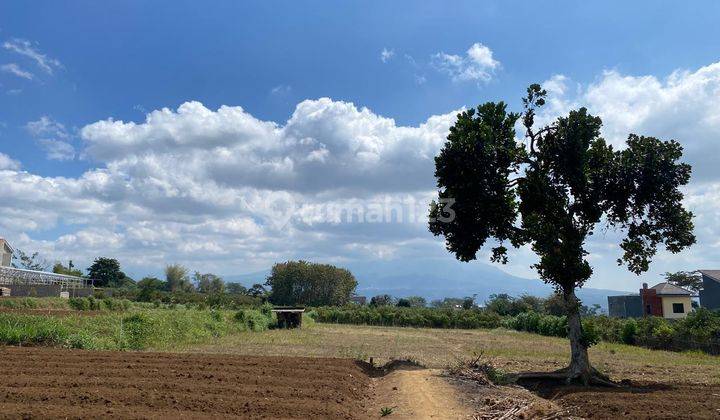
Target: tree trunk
x=579 y=361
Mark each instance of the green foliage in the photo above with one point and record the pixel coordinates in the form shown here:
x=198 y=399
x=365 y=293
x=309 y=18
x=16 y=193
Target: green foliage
x=177 y=279
x=412 y=302
x=386 y=411
x=503 y=304
x=91 y=303
x=408 y=317
x=21 y=259
x=304 y=283
x=552 y=194
x=70 y=270
x=139 y=330
x=629 y=332
x=209 y=283
x=106 y=273
x=691 y=280
x=381 y=300
x=235 y=289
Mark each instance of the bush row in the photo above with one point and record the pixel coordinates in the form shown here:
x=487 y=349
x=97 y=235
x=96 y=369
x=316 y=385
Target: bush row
x=92 y=304
x=408 y=317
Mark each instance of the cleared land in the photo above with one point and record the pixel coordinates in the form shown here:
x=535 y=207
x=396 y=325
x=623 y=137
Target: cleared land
x=663 y=384
x=510 y=351
x=314 y=376
x=56 y=383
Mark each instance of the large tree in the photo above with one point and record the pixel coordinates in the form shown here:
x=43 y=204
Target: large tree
x=302 y=282
x=551 y=191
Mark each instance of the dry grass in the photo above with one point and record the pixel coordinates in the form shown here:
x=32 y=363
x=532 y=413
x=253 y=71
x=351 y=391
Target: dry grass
x=511 y=351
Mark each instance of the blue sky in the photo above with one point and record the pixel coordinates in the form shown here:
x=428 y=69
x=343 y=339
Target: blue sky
x=96 y=61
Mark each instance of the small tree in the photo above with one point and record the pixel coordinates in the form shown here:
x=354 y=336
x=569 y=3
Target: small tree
x=27 y=261
x=150 y=289
x=177 y=279
x=381 y=300
x=257 y=290
x=691 y=280
x=209 y=283
x=552 y=192
x=236 y=289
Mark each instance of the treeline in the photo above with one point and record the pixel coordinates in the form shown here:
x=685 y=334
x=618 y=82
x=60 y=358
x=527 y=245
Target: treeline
x=700 y=330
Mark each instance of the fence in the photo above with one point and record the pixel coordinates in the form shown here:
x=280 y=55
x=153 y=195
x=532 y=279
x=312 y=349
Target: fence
x=10 y=276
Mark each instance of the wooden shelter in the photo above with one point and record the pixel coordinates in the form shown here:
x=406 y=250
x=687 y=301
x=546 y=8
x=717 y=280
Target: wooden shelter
x=289 y=316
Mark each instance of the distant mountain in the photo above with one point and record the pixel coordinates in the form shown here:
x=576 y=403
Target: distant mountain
x=440 y=278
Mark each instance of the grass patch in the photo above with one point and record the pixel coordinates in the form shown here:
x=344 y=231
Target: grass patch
x=136 y=330
x=34 y=303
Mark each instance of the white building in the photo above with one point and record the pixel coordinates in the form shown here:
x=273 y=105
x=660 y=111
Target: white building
x=5 y=253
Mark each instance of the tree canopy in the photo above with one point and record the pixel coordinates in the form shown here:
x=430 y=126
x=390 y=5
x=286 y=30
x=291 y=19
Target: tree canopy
x=552 y=190
x=106 y=273
x=302 y=282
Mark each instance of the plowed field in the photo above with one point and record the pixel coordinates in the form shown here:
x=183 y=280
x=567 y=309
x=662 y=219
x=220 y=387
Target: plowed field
x=58 y=383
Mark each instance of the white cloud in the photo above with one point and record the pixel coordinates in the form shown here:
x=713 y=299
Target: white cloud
x=57 y=149
x=386 y=55
x=477 y=65
x=15 y=69
x=281 y=90
x=323 y=141
x=221 y=188
x=207 y=187
x=52 y=137
x=27 y=49
x=7 y=163
x=45 y=127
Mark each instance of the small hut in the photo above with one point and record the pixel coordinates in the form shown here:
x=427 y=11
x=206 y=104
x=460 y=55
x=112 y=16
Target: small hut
x=289 y=316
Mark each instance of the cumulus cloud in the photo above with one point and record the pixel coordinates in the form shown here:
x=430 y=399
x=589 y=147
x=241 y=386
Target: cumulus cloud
x=14 y=68
x=27 y=49
x=477 y=65
x=684 y=106
x=223 y=190
x=223 y=187
x=322 y=142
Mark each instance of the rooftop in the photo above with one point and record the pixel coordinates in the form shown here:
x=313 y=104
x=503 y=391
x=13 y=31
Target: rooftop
x=666 y=288
x=713 y=274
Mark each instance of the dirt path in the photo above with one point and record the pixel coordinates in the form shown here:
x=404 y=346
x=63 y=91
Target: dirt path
x=418 y=394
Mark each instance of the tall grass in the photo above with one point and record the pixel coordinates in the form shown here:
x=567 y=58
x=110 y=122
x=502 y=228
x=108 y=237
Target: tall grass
x=137 y=330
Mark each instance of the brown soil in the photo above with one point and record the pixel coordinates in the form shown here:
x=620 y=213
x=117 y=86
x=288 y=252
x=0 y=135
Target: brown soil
x=60 y=383
x=57 y=383
x=636 y=400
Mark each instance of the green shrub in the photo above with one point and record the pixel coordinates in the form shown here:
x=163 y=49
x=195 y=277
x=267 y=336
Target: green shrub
x=629 y=331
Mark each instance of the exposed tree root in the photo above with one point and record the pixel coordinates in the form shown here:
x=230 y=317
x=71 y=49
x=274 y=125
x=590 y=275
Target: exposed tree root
x=595 y=377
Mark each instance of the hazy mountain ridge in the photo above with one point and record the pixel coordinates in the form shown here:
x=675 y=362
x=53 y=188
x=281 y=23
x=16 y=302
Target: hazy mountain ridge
x=436 y=279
